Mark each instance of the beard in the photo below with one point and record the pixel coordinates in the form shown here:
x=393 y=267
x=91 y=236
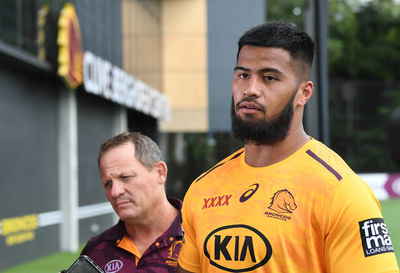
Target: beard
x=265 y=132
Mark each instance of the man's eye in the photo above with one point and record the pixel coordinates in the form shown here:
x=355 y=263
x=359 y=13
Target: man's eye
x=270 y=78
x=125 y=177
x=243 y=76
x=107 y=184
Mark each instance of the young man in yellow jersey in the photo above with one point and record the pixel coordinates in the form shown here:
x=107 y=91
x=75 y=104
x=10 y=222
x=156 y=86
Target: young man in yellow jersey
x=285 y=203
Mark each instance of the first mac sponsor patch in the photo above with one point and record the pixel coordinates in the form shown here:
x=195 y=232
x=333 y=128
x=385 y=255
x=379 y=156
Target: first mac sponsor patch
x=375 y=237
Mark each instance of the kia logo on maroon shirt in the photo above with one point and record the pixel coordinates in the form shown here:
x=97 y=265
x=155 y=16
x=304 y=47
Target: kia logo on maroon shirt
x=113 y=266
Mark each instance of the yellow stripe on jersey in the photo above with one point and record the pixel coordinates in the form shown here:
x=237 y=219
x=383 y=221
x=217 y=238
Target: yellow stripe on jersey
x=235 y=155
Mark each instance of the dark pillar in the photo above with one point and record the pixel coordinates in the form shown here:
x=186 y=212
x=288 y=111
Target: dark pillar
x=317 y=111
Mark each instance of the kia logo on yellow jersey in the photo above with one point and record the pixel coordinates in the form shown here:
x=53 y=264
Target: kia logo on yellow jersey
x=237 y=248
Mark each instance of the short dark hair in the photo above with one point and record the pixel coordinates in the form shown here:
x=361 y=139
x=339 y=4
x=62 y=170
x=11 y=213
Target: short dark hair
x=280 y=35
x=147 y=151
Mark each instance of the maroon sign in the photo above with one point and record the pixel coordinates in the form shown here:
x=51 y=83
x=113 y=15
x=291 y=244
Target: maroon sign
x=392 y=185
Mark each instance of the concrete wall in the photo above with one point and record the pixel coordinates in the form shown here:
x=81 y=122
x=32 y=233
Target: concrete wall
x=101 y=28
x=227 y=20
x=28 y=165
x=186 y=49
x=142 y=40
x=185 y=78
x=49 y=140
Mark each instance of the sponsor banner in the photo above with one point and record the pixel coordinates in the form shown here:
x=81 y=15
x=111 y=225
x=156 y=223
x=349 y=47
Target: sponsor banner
x=375 y=237
x=18 y=230
x=21 y=229
x=392 y=185
x=384 y=185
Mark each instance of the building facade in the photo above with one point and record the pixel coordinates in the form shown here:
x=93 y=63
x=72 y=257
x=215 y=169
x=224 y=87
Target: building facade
x=75 y=73
x=64 y=91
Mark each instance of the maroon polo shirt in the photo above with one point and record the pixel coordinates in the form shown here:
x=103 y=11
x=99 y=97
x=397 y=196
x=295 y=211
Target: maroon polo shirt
x=107 y=252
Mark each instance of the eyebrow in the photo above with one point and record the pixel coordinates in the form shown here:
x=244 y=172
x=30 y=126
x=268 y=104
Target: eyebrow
x=241 y=68
x=263 y=70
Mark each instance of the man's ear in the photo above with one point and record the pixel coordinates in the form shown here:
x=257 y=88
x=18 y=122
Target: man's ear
x=305 y=92
x=162 y=171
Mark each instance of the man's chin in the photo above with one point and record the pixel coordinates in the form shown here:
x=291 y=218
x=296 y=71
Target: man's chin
x=258 y=132
x=249 y=120
x=125 y=214
x=127 y=217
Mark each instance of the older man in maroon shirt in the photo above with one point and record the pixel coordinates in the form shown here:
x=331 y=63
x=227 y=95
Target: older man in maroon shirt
x=148 y=236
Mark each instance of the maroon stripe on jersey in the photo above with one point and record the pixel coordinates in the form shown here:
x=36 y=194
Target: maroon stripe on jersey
x=326 y=165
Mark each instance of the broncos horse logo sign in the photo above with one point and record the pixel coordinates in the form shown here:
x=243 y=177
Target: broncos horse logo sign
x=282 y=203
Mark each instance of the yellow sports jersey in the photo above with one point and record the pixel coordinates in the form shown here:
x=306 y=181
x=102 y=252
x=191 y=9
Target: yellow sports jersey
x=309 y=213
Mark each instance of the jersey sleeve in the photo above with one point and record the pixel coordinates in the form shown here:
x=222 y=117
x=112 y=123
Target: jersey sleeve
x=188 y=256
x=356 y=237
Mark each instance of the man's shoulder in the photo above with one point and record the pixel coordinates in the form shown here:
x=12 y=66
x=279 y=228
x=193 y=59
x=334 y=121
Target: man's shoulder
x=221 y=164
x=108 y=236
x=324 y=162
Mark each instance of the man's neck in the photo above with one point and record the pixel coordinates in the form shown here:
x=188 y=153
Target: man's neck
x=145 y=232
x=261 y=155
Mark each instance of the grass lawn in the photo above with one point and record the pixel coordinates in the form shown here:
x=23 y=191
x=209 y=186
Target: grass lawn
x=49 y=264
x=391 y=212
x=55 y=262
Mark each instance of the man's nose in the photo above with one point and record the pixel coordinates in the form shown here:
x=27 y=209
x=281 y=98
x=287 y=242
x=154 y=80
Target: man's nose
x=117 y=188
x=254 y=87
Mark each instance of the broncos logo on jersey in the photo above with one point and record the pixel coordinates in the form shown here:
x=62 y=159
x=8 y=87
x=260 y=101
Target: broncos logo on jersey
x=173 y=251
x=283 y=202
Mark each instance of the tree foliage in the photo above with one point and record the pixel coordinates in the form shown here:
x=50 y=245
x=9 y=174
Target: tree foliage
x=362 y=35
x=363 y=57
x=364 y=47
x=364 y=39
x=292 y=11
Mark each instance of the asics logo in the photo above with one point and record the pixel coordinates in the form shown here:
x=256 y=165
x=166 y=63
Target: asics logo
x=249 y=193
